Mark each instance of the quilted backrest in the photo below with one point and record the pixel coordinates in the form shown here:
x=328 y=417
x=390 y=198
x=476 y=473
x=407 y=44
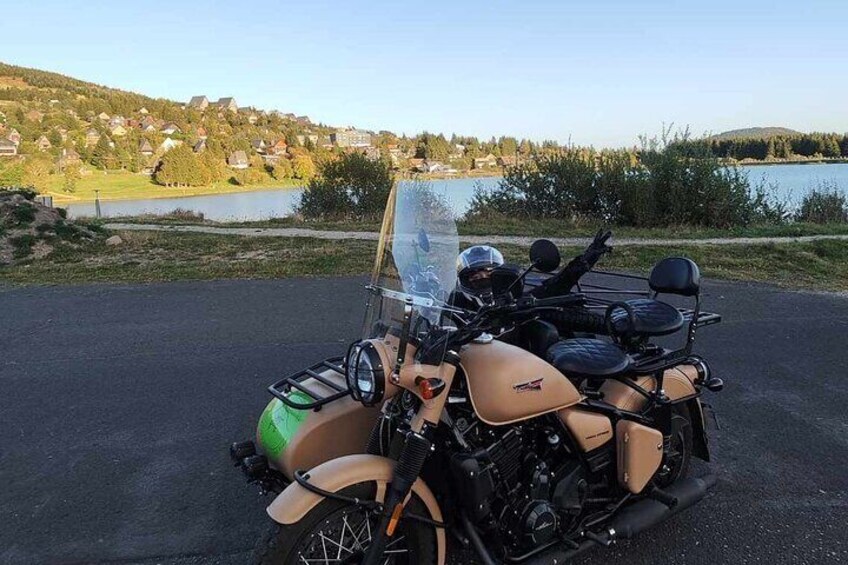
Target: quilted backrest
x=676 y=275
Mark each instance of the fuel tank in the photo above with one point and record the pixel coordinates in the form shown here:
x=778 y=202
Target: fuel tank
x=508 y=384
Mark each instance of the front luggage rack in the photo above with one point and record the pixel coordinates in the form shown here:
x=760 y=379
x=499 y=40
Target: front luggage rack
x=297 y=381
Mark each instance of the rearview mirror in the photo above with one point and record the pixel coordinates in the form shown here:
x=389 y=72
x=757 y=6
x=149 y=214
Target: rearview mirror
x=544 y=255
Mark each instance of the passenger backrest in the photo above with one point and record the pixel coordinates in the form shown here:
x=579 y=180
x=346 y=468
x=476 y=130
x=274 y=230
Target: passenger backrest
x=676 y=275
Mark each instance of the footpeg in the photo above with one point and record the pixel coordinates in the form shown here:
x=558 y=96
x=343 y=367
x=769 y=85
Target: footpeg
x=663 y=497
x=597 y=539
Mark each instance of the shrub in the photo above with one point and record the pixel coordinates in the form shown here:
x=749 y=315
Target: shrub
x=666 y=183
x=825 y=204
x=23 y=245
x=350 y=187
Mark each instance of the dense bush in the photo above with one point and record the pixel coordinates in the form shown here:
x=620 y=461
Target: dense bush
x=672 y=184
x=350 y=187
x=824 y=205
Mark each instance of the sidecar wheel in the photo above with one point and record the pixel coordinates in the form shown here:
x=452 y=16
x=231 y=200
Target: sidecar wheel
x=337 y=532
x=676 y=463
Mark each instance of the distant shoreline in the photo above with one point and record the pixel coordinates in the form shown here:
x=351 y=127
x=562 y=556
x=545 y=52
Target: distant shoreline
x=840 y=161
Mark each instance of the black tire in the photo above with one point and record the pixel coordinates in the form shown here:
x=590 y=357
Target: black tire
x=283 y=545
x=675 y=465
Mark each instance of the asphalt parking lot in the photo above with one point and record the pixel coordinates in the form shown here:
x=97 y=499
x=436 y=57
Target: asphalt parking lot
x=117 y=404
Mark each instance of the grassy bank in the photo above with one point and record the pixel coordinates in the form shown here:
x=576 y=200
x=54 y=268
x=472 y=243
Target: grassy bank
x=512 y=226
x=153 y=257
x=129 y=186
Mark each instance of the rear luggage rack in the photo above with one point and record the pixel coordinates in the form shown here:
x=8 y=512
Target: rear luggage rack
x=313 y=390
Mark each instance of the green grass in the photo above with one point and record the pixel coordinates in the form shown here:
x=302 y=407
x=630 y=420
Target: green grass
x=128 y=186
x=535 y=228
x=152 y=257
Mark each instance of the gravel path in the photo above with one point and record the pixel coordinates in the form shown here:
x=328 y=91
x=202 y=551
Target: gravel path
x=509 y=239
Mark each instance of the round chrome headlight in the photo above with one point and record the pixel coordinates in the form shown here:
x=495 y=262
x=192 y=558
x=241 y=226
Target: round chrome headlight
x=364 y=373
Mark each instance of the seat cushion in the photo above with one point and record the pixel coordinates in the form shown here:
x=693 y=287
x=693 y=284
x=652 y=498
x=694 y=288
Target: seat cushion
x=588 y=358
x=652 y=318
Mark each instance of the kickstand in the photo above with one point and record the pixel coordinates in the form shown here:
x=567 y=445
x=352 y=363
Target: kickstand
x=713 y=413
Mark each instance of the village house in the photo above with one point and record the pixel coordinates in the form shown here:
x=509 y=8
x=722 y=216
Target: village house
x=227 y=103
x=252 y=119
x=169 y=144
x=485 y=162
x=92 y=136
x=7 y=148
x=145 y=148
x=416 y=164
x=351 y=138
x=313 y=139
x=258 y=145
x=14 y=136
x=103 y=117
x=143 y=111
x=34 y=116
x=117 y=121
x=43 y=143
x=170 y=128
x=279 y=148
x=198 y=102
x=238 y=160
x=506 y=160
x=118 y=131
x=148 y=125
x=373 y=153
x=63 y=133
x=200 y=146
x=458 y=151
x=303 y=120
x=69 y=157
x=202 y=133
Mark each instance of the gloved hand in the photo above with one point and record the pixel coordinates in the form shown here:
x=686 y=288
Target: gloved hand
x=598 y=248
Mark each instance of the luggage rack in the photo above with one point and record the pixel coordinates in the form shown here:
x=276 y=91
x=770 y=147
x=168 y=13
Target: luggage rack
x=282 y=388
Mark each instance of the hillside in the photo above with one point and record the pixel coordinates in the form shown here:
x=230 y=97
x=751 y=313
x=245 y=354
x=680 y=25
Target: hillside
x=55 y=126
x=756 y=133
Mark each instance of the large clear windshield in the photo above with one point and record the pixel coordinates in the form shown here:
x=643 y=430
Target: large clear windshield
x=415 y=265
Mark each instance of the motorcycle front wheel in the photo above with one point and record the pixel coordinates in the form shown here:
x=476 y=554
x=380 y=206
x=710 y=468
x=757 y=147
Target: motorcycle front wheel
x=338 y=532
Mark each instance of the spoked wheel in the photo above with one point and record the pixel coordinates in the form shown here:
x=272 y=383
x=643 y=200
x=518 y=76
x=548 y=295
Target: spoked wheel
x=676 y=461
x=336 y=532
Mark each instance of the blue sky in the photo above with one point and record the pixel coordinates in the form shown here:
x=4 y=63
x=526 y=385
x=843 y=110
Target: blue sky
x=594 y=72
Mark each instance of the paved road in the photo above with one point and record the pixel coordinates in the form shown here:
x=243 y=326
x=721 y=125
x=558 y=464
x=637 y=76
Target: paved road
x=474 y=239
x=117 y=404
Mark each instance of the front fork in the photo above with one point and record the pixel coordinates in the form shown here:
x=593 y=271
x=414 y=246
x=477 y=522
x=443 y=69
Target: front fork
x=414 y=453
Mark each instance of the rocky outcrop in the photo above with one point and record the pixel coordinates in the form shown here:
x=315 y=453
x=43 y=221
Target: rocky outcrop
x=30 y=230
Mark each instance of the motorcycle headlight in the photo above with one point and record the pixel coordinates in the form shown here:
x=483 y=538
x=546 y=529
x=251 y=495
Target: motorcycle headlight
x=364 y=373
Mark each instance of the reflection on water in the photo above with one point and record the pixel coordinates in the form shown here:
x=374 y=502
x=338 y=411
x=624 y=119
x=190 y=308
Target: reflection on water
x=790 y=183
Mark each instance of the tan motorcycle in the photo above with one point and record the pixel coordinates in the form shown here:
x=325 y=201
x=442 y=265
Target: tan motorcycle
x=449 y=429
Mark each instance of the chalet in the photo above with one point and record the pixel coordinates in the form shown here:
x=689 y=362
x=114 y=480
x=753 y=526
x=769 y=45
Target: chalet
x=103 y=117
x=351 y=138
x=43 y=143
x=238 y=160
x=507 y=160
x=279 y=148
x=169 y=144
x=8 y=148
x=145 y=148
x=69 y=157
x=252 y=119
x=118 y=130
x=202 y=133
x=485 y=162
x=148 y=124
x=143 y=111
x=200 y=146
x=198 y=102
x=259 y=145
x=170 y=128
x=228 y=104
x=34 y=116
x=416 y=164
x=117 y=121
x=14 y=137
x=92 y=136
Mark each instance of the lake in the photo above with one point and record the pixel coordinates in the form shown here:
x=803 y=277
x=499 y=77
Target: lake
x=790 y=182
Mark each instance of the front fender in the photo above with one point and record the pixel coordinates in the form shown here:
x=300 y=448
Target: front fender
x=291 y=505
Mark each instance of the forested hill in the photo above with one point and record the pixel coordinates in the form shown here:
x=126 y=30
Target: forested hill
x=756 y=133
x=53 y=124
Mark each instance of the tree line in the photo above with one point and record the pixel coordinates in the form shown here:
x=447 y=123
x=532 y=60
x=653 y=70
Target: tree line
x=810 y=145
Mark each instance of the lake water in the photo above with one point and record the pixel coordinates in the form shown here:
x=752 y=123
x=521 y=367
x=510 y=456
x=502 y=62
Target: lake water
x=791 y=182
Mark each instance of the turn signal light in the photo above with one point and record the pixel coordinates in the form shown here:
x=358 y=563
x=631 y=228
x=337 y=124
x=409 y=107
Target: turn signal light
x=430 y=388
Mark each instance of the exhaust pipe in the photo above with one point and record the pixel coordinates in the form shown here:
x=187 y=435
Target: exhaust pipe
x=637 y=518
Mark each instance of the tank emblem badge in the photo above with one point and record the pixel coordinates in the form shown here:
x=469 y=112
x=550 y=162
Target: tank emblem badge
x=529 y=386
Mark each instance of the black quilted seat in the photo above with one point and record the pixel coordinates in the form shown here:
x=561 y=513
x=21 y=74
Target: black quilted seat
x=650 y=318
x=588 y=358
